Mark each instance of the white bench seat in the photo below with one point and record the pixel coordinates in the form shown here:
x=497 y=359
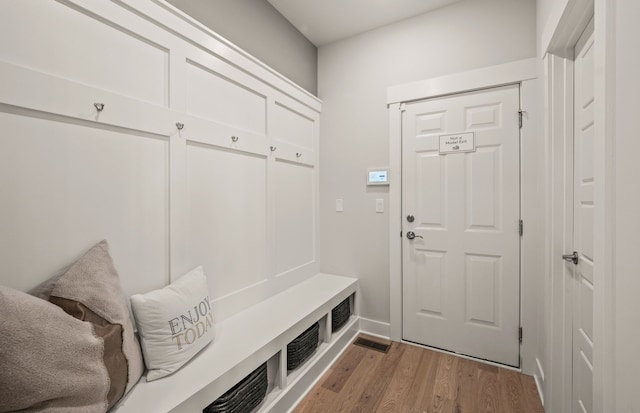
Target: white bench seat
x=242 y=343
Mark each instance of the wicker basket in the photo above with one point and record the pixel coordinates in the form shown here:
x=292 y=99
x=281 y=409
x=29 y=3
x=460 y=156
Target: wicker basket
x=244 y=396
x=340 y=314
x=302 y=346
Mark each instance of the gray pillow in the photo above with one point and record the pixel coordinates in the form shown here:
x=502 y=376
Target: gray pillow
x=50 y=361
x=90 y=290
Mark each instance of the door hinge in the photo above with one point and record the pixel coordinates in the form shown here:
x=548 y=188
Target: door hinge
x=403 y=107
x=521 y=227
x=520 y=112
x=520 y=334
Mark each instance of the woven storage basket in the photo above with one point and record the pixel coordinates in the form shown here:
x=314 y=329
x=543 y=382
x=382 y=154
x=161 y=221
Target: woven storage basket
x=340 y=314
x=244 y=396
x=302 y=346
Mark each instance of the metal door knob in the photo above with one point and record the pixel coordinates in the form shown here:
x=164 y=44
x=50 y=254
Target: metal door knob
x=571 y=257
x=412 y=235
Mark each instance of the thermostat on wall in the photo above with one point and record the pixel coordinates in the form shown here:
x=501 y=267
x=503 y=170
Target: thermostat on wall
x=378 y=176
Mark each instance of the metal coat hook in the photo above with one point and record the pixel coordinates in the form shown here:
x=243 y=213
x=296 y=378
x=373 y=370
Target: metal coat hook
x=273 y=148
x=99 y=106
x=234 y=138
x=298 y=154
x=179 y=125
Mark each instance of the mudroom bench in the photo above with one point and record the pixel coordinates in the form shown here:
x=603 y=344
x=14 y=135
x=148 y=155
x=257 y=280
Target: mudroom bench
x=250 y=338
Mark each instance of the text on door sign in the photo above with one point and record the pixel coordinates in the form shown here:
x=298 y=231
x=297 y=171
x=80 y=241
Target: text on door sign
x=457 y=142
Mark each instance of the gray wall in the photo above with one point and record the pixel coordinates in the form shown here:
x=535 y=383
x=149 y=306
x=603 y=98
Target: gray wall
x=257 y=28
x=353 y=77
x=626 y=199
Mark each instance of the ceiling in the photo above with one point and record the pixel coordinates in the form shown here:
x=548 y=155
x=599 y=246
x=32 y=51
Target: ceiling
x=326 y=21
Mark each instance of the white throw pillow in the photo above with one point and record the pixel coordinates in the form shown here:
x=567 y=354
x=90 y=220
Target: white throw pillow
x=174 y=323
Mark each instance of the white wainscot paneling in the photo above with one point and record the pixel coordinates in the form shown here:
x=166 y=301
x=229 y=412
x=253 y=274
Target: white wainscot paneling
x=66 y=186
x=60 y=41
x=214 y=96
x=294 y=216
x=292 y=127
x=227 y=217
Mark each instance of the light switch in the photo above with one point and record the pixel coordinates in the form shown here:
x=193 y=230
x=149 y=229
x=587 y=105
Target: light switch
x=339 y=205
x=379 y=205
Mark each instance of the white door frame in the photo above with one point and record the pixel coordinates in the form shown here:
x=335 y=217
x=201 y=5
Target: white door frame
x=489 y=310
x=566 y=23
x=523 y=72
x=559 y=73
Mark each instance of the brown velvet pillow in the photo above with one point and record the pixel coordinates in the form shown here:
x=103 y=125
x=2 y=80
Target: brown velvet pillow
x=49 y=361
x=90 y=290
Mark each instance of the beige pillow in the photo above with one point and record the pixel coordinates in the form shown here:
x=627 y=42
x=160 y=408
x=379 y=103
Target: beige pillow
x=90 y=290
x=50 y=361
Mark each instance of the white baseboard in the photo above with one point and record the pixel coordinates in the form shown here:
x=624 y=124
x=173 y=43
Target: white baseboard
x=375 y=328
x=539 y=378
x=540 y=369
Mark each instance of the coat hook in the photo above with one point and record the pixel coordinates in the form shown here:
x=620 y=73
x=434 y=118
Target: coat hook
x=179 y=125
x=298 y=154
x=234 y=138
x=273 y=148
x=99 y=106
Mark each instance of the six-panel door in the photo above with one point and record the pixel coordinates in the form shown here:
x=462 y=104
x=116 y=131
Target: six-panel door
x=461 y=274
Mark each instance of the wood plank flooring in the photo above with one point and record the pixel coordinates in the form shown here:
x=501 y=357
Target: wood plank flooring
x=411 y=379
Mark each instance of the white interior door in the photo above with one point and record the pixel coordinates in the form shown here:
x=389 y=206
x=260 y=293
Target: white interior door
x=583 y=201
x=461 y=272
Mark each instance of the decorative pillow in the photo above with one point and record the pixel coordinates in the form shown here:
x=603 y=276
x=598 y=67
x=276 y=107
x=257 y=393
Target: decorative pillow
x=174 y=323
x=50 y=361
x=90 y=290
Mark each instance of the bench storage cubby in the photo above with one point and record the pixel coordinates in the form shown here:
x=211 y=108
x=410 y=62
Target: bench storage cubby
x=302 y=346
x=340 y=314
x=244 y=396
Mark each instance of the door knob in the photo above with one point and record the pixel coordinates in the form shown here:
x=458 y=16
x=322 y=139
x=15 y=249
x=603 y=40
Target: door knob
x=568 y=257
x=412 y=235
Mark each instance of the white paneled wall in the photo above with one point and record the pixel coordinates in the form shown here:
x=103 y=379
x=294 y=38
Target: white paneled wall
x=65 y=185
x=295 y=232
x=234 y=190
x=228 y=234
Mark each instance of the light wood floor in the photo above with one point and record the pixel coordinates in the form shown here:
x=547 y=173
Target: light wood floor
x=411 y=379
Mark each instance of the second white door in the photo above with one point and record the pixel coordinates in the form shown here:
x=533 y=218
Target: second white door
x=583 y=201
x=461 y=269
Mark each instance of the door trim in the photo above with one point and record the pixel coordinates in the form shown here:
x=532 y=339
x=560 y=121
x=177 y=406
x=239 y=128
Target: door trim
x=561 y=34
x=482 y=78
x=559 y=89
x=525 y=72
